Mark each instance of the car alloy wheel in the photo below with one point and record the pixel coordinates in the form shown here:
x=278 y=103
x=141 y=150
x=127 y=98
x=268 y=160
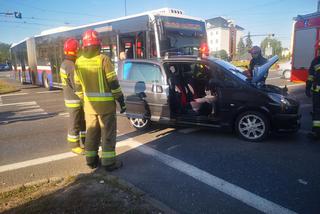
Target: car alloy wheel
x=252 y=126
x=139 y=123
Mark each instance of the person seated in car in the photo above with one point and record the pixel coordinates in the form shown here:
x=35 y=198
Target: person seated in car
x=205 y=105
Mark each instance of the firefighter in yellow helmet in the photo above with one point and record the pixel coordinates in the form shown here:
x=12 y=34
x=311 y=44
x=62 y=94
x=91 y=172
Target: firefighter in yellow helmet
x=76 y=123
x=97 y=84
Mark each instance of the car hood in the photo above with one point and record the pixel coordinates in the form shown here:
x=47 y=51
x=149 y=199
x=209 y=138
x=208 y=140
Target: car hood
x=262 y=70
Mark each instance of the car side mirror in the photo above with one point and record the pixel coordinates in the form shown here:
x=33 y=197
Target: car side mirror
x=157 y=89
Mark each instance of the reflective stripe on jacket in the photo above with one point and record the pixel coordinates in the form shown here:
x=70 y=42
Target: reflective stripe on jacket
x=67 y=78
x=97 y=84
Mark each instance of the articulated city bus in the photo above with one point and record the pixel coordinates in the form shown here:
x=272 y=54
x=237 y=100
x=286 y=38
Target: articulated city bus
x=147 y=35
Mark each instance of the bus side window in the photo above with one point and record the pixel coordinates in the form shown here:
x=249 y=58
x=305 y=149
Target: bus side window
x=153 y=49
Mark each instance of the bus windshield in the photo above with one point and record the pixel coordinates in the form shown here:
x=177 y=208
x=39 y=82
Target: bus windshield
x=181 y=36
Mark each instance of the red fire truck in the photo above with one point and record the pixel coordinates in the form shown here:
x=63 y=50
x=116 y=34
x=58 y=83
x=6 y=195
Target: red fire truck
x=306 y=38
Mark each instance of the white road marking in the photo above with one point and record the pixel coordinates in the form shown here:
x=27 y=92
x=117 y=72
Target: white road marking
x=32 y=111
x=37 y=161
x=64 y=114
x=293 y=85
x=273 y=78
x=46 y=92
x=232 y=190
x=14 y=94
x=20 y=104
x=188 y=130
x=23 y=111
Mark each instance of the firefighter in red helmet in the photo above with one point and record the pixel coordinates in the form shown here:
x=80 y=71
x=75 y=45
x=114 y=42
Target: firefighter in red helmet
x=313 y=85
x=76 y=123
x=97 y=84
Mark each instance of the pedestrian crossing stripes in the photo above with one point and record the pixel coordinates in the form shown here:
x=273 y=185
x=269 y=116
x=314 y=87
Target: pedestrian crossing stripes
x=13 y=112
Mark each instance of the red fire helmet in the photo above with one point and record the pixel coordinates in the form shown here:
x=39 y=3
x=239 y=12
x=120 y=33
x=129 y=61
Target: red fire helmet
x=71 y=47
x=90 y=38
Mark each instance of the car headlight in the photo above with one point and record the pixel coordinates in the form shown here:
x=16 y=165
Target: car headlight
x=278 y=98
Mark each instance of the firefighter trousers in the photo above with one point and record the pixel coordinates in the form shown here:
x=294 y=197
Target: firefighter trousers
x=101 y=128
x=76 y=127
x=316 y=112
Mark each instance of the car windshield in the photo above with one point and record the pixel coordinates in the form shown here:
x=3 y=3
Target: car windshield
x=238 y=72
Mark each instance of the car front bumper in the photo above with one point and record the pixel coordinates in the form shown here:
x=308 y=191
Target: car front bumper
x=286 y=122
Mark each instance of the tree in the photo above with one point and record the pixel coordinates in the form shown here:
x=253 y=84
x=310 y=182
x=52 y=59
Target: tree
x=222 y=54
x=274 y=43
x=4 y=52
x=248 y=42
x=241 y=47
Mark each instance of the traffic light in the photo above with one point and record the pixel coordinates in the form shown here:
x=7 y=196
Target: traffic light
x=17 y=15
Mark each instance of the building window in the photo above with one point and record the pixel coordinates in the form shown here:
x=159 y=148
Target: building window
x=211 y=42
x=211 y=33
x=217 y=41
x=217 y=32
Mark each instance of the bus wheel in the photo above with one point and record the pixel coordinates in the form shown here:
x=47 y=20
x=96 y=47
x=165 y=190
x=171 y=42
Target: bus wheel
x=45 y=81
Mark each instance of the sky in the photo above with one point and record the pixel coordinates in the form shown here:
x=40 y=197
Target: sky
x=255 y=16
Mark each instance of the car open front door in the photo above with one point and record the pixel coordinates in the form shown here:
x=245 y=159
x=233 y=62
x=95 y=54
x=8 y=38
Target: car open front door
x=145 y=89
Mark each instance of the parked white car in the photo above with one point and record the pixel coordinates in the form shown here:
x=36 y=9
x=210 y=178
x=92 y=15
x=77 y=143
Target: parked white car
x=284 y=69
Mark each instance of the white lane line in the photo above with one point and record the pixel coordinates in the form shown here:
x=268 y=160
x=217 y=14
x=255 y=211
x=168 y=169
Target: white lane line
x=232 y=190
x=14 y=94
x=20 y=104
x=37 y=161
x=46 y=92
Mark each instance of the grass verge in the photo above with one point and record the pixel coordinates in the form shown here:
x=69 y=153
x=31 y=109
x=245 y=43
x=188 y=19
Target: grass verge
x=6 y=87
x=89 y=193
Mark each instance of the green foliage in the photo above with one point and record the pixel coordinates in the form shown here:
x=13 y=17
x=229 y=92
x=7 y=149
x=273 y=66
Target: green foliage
x=248 y=42
x=222 y=54
x=274 y=43
x=4 y=52
x=241 y=47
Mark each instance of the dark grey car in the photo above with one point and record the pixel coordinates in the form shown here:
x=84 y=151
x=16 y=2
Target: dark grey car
x=172 y=91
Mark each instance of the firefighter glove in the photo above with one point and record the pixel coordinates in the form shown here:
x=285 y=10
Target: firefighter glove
x=123 y=108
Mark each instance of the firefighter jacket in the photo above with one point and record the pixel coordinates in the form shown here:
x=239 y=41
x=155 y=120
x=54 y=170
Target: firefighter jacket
x=97 y=84
x=67 y=77
x=313 y=81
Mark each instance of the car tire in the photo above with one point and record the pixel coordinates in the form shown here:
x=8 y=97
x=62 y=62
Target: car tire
x=287 y=74
x=140 y=124
x=46 y=81
x=252 y=126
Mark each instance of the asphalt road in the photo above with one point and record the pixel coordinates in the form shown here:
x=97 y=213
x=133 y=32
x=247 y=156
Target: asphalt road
x=191 y=170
